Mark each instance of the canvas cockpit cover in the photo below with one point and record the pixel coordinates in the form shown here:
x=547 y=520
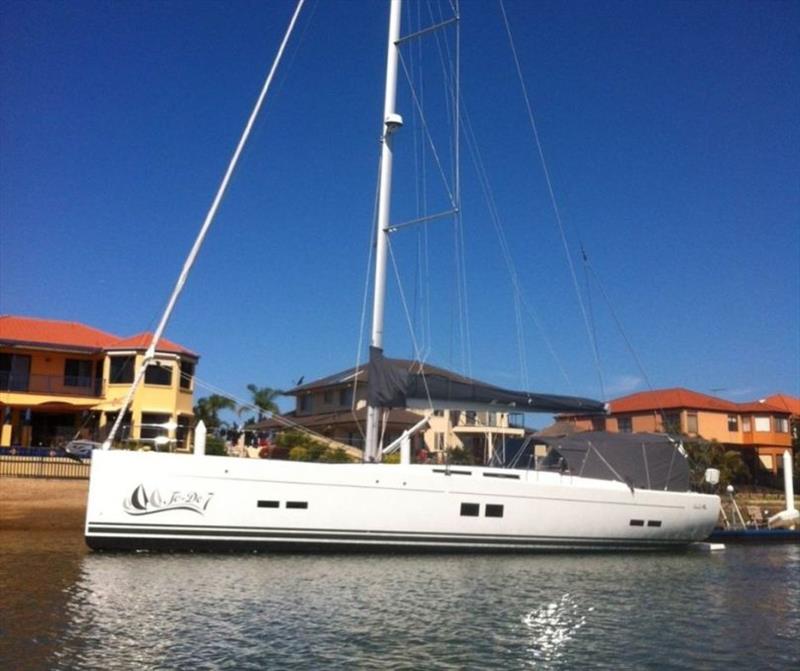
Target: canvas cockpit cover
x=392 y=384
x=642 y=460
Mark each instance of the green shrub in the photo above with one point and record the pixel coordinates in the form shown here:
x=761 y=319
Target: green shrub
x=460 y=456
x=335 y=456
x=299 y=453
x=215 y=446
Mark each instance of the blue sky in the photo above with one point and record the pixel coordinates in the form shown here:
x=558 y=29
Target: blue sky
x=670 y=129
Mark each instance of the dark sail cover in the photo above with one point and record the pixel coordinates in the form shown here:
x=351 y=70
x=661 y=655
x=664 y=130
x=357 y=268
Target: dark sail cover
x=643 y=460
x=392 y=383
x=387 y=383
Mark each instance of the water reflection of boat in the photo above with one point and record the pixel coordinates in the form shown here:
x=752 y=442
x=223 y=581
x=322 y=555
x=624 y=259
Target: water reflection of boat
x=633 y=495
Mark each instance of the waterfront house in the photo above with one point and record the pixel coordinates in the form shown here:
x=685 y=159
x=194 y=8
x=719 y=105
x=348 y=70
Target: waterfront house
x=59 y=380
x=759 y=429
x=335 y=407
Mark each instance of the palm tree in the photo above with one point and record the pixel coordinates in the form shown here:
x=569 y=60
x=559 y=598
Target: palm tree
x=263 y=398
x=208 y=408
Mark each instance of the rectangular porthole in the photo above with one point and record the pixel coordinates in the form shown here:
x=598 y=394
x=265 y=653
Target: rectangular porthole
x=297 y=504
x=508 y=476
x=268 y=504
x=637 y=523
x=470 y=509
x=653 y=523
x=494 y=510
x=450 y=471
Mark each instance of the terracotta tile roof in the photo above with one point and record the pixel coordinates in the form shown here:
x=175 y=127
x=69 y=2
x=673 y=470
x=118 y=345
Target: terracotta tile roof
x=665 y=399
x=789 y=403
x=31 y=331
x=141 y=341
x=55 y=333
x=679 y=398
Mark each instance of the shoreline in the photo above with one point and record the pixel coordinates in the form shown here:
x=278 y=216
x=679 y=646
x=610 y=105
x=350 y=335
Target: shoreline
x=31 y=504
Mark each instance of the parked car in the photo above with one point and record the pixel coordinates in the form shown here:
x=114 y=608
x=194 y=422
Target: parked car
x=81 y=448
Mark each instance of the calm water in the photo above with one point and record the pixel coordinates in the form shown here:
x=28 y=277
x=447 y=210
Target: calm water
x=62 y=607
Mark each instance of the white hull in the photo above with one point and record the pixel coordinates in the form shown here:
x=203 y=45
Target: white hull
x=140 y=500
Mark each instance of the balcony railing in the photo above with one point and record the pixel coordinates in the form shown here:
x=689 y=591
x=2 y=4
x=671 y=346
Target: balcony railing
x=58 y=385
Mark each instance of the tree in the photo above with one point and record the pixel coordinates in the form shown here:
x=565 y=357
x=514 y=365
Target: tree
x=705 y=454
x=262 y=398
x=208 y=409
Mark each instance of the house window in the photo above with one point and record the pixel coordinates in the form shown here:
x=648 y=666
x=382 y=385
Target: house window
x=472 y=418
x=691 y=422
x=598 y=423
x=781 y=425
x=327 y=396
x=733 y=423
x=304 y=401
x=15 y=372
x=152 y=426
x=672 y=422
x=625 y=424
x=77 y=373
x=746 y=426
x=121 y=369
x=762 y=424
x=187 y=374
x=160 y=374
x=346 y=397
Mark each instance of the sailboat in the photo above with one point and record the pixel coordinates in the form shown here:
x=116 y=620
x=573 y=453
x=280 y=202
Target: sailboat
x=595 y=492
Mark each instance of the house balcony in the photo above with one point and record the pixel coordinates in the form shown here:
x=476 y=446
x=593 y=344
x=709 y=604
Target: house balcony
x=51 y=385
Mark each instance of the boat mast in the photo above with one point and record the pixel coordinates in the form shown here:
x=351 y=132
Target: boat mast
x=391 y=122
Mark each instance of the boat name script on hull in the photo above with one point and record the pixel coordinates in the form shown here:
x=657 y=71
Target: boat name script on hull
x=147 y=502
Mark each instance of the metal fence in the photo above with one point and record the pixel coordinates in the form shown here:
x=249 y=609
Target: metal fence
x=25 y=466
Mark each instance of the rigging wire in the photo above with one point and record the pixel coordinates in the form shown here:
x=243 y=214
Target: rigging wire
x=491 y=204
x=548 y=181
x=451 y=74
x=365 y=301
x=195 y=250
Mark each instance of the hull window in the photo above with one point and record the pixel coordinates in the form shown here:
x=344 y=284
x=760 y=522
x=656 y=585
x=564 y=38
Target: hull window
x=653 y=523
x=297 y=504
x=637 y=523
x=268 y=504
x=470 y=509
x=494 y=510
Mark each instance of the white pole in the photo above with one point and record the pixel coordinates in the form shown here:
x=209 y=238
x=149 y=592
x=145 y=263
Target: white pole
x=405 y=451
x=200 y=433
x=788 y=484
x=391 y=122
x=187 y=266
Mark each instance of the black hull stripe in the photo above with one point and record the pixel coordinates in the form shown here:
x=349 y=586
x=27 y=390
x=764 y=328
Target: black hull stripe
x=306 y=545
x=365 y=537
